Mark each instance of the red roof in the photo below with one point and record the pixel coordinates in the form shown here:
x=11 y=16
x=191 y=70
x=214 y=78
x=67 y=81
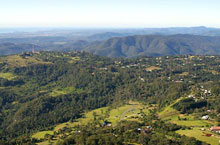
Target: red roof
x=215 y=128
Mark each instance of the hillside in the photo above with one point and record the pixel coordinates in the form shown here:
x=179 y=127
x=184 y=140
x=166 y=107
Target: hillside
x=12 y=48
x=118 y=45
x=44 y=89
x=156 y=45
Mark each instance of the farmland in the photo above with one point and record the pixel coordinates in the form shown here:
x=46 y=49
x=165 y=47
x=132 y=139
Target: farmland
x=115 y=116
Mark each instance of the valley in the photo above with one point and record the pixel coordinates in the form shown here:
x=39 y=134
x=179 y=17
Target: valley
x=59 y=98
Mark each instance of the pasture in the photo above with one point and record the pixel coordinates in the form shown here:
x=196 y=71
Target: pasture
x=201 y=135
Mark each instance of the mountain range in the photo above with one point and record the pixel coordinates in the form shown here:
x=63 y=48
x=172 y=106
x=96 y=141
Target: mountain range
x=156 y=45
x=119 y=42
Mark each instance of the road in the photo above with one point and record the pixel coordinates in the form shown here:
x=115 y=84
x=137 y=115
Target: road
x=128 y=110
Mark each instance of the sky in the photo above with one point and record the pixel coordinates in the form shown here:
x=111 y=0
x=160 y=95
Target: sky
x=109 y=13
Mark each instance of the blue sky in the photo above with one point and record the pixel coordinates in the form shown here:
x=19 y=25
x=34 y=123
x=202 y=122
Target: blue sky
x=109 y=13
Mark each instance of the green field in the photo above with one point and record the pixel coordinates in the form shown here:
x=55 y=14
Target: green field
x=64 y=91
x=200 y=135
x=40 y=135
x=17 y=60
x=115 y=116
x=74 y=59
x=169 y=112
x=8 y=76
x=171 y=115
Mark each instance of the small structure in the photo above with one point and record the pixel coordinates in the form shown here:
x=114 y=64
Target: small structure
x=215 y=129
x=147 y=129
x=107 y=123
x=206 y=117
x=191 y=96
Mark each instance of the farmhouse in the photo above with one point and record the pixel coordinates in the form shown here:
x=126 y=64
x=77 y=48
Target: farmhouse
x=206 y=117
x=107 y=123
x=215 y=129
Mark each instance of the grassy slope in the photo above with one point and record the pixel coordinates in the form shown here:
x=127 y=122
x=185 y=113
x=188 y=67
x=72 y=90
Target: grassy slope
x=64 y=91
x=114 y=117
x=16 y=60
x=8 y=76
x=41 y=134
x=200 y=135
x=171 y=115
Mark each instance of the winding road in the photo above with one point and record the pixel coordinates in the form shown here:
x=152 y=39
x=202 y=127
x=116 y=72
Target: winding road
x=128 y=110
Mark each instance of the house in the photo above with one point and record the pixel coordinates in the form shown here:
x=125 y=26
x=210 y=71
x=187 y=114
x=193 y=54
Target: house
x=215 y=129
x=206 y=117
x=147 y=129
x=191 y=96
x=107 y=123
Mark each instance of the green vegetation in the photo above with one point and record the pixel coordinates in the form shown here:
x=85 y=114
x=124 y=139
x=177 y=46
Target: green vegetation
x=90 y=98
x=201 y=135
x=113 y=115
x=21 y=60
x=40 y=135
x=8 y=76
x=64 y=91
x=152 y=68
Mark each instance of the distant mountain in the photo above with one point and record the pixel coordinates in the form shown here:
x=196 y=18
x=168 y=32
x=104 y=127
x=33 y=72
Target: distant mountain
x=156 y=45
x=123 y=44
x=12 y=48
x=201 y=30
x=106 y=35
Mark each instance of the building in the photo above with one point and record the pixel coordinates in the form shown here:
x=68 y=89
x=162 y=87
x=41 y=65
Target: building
x=206 y=117
x=215 y=129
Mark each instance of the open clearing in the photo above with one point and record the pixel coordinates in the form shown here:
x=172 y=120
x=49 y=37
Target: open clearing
x=8 y=76
x=40 y=135
x=151 y=68
x=115 y=116
x=201 y=135
x=171 y=115
x=17 y=60
x=64 y=91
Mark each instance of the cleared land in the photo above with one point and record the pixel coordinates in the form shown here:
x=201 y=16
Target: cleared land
x=64 y=91
x=151 y=68
x=40 y=135
x=17 y=60
x=8 y=76
x=115 y=115
x=171 y=115
x=201 y=135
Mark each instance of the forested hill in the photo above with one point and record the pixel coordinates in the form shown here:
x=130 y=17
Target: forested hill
x=42 y=89
x=156 y=45
x=12 y=48
x=118 y=45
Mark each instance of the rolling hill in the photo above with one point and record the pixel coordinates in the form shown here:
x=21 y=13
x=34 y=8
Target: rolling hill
x=156 y=45
x=12 y=48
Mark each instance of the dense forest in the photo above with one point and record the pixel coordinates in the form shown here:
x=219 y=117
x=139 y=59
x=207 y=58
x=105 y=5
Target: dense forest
x=39 y=90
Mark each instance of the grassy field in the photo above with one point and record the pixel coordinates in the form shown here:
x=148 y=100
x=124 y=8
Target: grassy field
x=74 y=59
x=40 y=135
x=171 y=115
x=115 y=115
x=174 y=116
x=64 y=91
x=16 y=60
x=184 y=74
x=168 y=112
x=201 y=135
x=8 y=76
x=151 y=68
x=82 y=121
